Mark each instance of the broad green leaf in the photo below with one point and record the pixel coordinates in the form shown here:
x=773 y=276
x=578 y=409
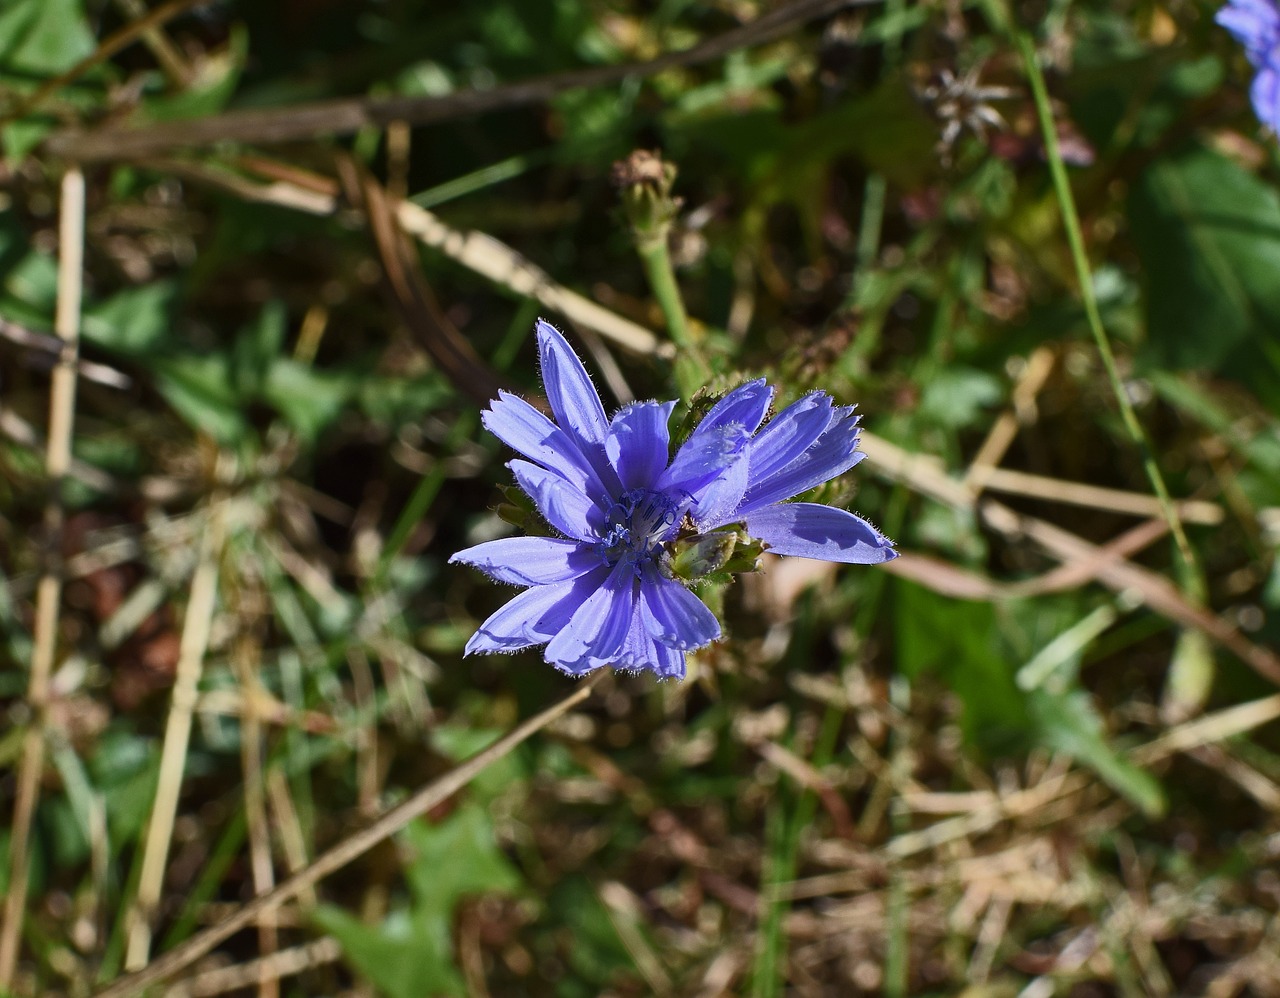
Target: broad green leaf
x=459 y=743
x=201 y=390
x=257 y=347
x=956 y=396
x=458 y=857
x=959 y=642
x=410 y=954
x=1208 y=233
x=135 y=321
x=309 y=399
x=407 y=956
x=43 y=37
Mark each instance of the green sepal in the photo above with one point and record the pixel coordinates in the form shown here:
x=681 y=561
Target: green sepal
x=725 y=551
x=689 y=414
x=518 y=510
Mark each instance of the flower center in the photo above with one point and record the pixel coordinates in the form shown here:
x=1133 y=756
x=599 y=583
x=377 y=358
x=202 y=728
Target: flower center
x=635 y=526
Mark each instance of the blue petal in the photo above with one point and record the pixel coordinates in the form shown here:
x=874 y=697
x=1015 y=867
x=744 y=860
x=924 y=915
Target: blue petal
x=530 y=561
x=524 y=429
x=704 y=457
x=673 y=616
x=789 y=434
x=745 y=405
x=573 y=398
x=640 y=653
x=1265 y=95
x=1255 y=25
x=716 y=502
x=535 y=616
x=561 y=503
x=834 y=453
x=811 y=530
x=668 y=663
x=638 y=443
x=597 y=631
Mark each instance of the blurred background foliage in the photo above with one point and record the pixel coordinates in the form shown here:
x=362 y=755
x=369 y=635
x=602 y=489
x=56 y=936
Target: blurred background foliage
x=1009 y=763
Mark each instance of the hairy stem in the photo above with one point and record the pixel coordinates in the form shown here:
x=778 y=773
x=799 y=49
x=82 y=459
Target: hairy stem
x=691 y=368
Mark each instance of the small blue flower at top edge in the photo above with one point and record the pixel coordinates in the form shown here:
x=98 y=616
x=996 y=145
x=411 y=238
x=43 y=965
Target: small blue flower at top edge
x=1256 y=25
x=600 y=594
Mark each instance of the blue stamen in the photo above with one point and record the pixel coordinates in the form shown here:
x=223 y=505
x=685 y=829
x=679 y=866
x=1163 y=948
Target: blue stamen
x=635 y=527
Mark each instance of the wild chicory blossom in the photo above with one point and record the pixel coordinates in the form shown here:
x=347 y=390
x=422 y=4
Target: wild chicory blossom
x=606 y=592
x=1256 y=26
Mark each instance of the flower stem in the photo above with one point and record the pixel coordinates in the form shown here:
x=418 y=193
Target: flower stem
x=1190 y=573
x=691 y=368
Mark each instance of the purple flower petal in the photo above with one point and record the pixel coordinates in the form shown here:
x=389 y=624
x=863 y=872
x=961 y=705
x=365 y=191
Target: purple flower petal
x=1265 y=95
x=640 y=653
x=562 y=504
x=597 y=631
x=524 y=429
x=638 y=442
x=811 y=530
x=834 y=453
x=535 y=616
x=673 y=616
x=530 y=561
x=789 y=434
x=745 y=405
x=704 y=457
x=717 y=501
x=1255 y=25
x=573 y=398
x=668 y=662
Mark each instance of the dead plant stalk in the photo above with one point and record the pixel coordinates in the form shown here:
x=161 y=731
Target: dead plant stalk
x=62 y=402
x=177 y=736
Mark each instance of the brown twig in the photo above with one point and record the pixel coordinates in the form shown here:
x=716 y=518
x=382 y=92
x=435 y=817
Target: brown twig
x=347 y=115
x=411 y=294
x=48 y=348
x=345 y=851
x=62 y=403
x=300 y=190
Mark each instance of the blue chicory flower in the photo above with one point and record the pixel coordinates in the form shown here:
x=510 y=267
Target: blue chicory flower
x=600 y=594
x=1256 y=26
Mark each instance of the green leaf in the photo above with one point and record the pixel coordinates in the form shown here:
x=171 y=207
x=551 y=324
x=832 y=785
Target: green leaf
x=257 y=348
x=1208 y=233
x=201 y=390
x=960 y=643
x=43 y=37
x=407 y=956
x=410 y=954
x=956 y=396
x=459 y=743
x=1068 y=722
x=33 y=281
x=458 y=857
x=309 y=399
x=218 y=75
x=135 y=321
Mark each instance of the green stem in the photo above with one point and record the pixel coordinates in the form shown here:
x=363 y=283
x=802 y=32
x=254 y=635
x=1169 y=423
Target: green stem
x=691 y=368
x=1190 y=573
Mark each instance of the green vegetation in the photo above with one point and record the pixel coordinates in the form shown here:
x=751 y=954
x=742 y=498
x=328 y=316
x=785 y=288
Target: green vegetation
x=1037 y=244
